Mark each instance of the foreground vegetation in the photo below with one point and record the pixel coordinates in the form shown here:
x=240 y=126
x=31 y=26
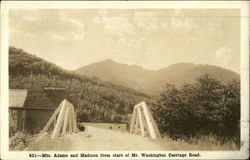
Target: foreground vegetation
x=208 y=108
x=22 y=141
x=204 y=143
x=48 y=144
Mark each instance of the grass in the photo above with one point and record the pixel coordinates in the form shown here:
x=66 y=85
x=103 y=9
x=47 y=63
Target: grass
x=19 y=141
x=204 y=143
x=48 y=144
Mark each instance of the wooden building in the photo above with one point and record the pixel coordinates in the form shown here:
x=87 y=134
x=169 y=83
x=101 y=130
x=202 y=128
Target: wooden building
x=33 y=108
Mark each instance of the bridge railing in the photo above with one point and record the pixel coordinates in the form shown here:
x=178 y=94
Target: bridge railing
x=143 y=122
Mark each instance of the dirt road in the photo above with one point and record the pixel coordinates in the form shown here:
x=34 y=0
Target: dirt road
x=97 y=139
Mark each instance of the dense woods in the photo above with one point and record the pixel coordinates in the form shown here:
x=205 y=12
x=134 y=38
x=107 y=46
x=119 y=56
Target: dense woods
x=98 y=100
x=208 y=107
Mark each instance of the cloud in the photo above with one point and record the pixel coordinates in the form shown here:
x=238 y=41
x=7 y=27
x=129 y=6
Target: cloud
x=50 y=24
x=183 y=24
x=146 y=20
x=59 y=37
x=118 y=25
x=131 y=43
x=128 y=22
x=67 y=19
x=224 y=55
x=131 y=29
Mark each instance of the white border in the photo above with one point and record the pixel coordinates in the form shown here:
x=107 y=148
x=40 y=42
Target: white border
x=243 y=5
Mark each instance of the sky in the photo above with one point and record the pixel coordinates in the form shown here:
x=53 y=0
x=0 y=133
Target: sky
x=151 y=38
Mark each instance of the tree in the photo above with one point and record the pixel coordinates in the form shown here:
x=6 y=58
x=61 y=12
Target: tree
x=209 y=106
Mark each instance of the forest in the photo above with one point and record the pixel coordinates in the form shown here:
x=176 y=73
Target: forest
x=99 y=101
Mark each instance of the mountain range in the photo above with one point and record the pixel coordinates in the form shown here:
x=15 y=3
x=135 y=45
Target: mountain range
x=152 y=82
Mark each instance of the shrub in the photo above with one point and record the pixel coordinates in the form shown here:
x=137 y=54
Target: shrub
x=18 y=141
x=207 y=107
x=12 y=122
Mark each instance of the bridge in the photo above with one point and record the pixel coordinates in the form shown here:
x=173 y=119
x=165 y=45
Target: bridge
x=143 y=131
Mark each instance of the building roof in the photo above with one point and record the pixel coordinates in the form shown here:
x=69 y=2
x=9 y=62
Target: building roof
x=46 y=99
x=17 y=97
x=40 y=99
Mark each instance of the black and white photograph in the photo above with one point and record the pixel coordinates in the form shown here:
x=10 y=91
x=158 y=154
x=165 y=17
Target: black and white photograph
x=170 y=80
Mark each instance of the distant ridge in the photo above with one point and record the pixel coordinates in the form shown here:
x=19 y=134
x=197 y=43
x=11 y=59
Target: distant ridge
x=148 y=81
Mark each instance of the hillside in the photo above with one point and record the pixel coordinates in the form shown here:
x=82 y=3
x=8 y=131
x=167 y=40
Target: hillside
x=152 y=82
x=99 y=100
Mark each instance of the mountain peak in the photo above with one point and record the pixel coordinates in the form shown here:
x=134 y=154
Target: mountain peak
x=108 y=60
x=111 y=61
x=178 y=66
x=183 y=64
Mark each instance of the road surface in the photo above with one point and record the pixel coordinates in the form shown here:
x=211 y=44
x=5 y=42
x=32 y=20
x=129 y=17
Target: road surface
x=98 y=139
